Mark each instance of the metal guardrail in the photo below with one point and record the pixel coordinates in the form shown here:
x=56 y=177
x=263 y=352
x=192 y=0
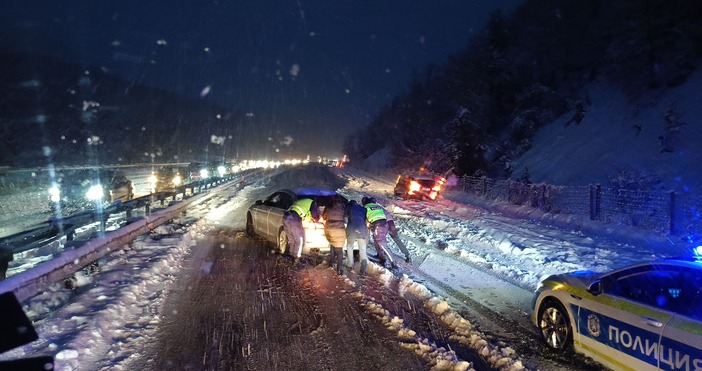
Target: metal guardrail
x=56 y=228
x=665 y=213
x=27 y=283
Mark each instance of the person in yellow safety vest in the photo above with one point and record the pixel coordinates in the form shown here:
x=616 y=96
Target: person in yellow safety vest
x=377 y=221
x=301 y=209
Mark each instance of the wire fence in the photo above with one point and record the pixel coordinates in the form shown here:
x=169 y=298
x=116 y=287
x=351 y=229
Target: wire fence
x=665 y=213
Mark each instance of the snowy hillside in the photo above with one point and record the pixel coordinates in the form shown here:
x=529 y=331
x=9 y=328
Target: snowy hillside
x=619 y=139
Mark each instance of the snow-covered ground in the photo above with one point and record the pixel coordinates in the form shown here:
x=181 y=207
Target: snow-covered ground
x=109 y=327
x=620 y=140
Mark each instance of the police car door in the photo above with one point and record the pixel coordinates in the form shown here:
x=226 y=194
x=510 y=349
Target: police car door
x=681 y=344
x=621 y=326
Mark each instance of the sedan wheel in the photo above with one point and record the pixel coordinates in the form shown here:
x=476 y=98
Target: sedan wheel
x=282 y=242
x=555 y=326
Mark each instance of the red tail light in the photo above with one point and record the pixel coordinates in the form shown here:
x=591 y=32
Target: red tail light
x=414 y=187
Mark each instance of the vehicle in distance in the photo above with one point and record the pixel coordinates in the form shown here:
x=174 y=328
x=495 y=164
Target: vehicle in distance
x=74 y=190
x=265 y=218
x=197 y=171
x=165 y=179
x=119 y=187
x=646 y=316
x=419 y=186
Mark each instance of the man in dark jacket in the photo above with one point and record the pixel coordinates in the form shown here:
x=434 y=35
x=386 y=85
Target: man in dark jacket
x=335 y=230
x=356 y=231
x=376 y=219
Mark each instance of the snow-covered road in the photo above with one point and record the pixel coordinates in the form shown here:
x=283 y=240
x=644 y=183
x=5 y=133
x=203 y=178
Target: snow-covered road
x=473 y=272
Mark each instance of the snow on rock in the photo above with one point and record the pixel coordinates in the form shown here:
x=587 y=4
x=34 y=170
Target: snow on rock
x=67 y=354
x=437 y=305
x=439 y=359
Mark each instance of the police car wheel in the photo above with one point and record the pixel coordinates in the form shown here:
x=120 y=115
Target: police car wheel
x=555 y=326
x=282 y=242
x=250 y=231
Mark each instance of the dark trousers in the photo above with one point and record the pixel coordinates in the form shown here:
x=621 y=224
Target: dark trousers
x=392 y=231
x=379 y=229
x=292 y=223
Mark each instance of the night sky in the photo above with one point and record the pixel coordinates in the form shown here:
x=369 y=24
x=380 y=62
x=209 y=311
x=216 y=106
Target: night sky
x=307 y=70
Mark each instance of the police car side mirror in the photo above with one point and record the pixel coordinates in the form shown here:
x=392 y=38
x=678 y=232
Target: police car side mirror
x=595 y=288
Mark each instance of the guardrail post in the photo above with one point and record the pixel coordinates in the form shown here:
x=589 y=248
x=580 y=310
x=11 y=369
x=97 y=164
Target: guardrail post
x=672 y=212
x=5 y=257
x=509 y=190
x=543 y=196
x=595 y=201
x=591 y=201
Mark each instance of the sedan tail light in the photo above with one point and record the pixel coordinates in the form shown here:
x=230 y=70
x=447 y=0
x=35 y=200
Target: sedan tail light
x=414 y=187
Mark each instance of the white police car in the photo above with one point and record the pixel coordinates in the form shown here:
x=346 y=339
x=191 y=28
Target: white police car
x=646 y=316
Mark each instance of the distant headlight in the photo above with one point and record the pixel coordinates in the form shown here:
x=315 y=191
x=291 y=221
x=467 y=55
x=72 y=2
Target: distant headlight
x=55 y=194
x=153 y=179
x=95 y=193
x=221 y=170
x=177 y=180
x=204 y=174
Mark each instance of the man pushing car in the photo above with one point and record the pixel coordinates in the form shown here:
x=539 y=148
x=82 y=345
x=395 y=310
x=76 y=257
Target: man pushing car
x=301 y=209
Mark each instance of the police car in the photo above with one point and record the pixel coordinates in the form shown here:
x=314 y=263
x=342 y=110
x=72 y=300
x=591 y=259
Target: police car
x=646 y=316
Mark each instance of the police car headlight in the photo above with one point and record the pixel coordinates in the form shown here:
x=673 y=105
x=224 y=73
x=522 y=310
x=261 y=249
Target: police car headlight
x=94 y=193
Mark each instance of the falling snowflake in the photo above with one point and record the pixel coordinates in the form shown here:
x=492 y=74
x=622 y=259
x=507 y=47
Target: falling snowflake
x=295 y=69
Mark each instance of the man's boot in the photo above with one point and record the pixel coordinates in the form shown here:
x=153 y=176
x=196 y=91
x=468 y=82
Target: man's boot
x=364 y=267
x=338 y=259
